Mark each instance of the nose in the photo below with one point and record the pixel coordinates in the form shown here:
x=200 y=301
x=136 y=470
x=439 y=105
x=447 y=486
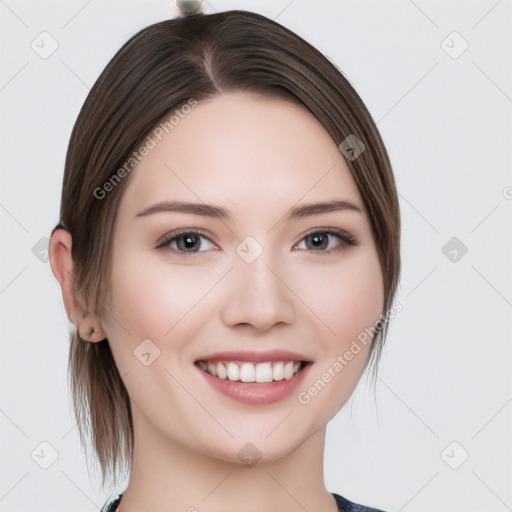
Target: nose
x=257 y=296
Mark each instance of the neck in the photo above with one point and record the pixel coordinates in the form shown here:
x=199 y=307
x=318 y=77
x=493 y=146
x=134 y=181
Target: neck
x=167 y=476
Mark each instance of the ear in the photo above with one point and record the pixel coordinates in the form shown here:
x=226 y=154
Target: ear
x=88 y=324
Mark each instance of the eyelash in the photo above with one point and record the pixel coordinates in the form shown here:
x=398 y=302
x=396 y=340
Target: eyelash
x=345 y=239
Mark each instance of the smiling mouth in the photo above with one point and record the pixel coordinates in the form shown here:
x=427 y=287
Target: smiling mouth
x=243 y=371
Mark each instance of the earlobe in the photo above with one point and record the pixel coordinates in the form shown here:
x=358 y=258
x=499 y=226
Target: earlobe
x=88 y=325
x=91 y=330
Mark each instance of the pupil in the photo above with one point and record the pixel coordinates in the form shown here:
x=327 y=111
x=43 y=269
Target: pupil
x=189 y=241
x=319 y=240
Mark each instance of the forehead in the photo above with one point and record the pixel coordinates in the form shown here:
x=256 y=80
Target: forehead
x=242 y=149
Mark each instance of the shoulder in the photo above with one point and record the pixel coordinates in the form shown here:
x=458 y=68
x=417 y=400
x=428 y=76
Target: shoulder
x=348 y=506
x=112 y=503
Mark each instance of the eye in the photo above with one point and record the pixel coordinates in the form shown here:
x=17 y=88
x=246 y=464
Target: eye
x=185 y=242
x=322 y=241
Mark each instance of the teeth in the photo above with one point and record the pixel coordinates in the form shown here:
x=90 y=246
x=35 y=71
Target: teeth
x=288 y=370
x=250 y=372
x=278 y=371
x=221 y=371
x=264 y=372
x=247 y=372
x=233 y=371
x=212 y=368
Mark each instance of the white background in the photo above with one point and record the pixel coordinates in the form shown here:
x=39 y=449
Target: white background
x=445 y=374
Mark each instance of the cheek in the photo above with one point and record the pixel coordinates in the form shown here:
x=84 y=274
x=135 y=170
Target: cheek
x=349 y=302
x=153 y=300
x=347 y=298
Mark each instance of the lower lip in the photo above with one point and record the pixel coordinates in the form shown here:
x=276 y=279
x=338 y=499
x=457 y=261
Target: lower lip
x=252 y=393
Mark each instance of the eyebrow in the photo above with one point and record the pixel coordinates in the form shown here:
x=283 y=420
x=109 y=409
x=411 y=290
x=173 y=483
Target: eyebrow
x=217 y=212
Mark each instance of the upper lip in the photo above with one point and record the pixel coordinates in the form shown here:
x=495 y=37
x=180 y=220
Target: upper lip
x=257 y=357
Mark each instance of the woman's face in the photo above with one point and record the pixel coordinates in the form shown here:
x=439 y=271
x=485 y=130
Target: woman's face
x=252 y=275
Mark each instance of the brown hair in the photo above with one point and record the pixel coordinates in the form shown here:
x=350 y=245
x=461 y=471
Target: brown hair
x=156 y=72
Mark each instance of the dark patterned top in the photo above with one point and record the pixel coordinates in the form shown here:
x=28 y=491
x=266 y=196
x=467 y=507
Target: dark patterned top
x=344 y=505
x=347 y=506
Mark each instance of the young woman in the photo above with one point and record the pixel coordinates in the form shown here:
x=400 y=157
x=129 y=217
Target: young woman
x=228 y=250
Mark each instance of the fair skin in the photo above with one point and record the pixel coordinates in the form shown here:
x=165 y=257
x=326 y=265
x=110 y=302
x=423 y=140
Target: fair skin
x=258 y=158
